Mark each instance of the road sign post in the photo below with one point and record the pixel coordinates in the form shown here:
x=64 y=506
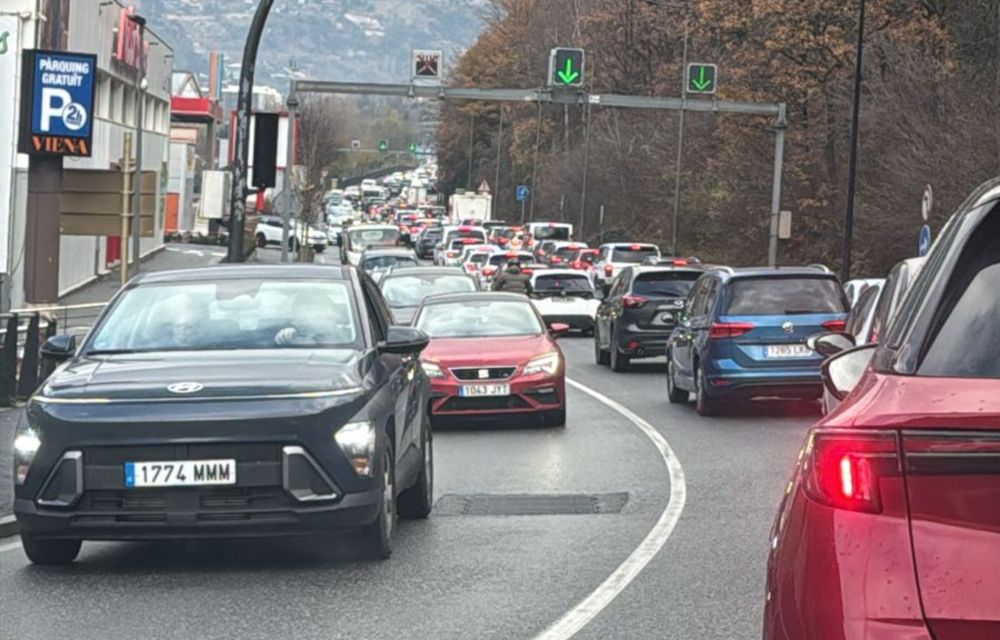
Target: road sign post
x=566 y=68
x=701 y=78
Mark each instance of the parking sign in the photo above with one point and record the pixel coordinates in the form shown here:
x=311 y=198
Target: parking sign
x=58 y=103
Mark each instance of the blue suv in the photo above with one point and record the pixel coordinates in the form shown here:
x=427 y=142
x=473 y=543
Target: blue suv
x=743 y=334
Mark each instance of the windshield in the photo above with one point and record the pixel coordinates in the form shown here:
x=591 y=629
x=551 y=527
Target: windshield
x=478 y=258
x=479 y=319
x=785 y=296
x=668 y=284
x=563 y=282
x=374 y=237
x=629 y=255
x=410 y=290
x=230 y=314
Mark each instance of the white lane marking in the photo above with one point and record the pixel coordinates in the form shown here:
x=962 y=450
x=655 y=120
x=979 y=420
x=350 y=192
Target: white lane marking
x=576 y=618
x=11 y=546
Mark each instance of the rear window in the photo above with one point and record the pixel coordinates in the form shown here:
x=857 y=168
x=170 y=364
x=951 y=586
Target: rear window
x=566 y=253
x=551 y=233
x=498 y=259
x=562 y=282
x=589 y=257
x=784 y=296
x=629 y=255
x=668 y=284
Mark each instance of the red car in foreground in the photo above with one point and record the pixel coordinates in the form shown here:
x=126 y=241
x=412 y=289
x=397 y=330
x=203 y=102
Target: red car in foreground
x=890 y=526
x=491 y=356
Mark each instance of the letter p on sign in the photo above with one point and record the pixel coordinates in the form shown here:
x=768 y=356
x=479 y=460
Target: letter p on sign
x=54 y=102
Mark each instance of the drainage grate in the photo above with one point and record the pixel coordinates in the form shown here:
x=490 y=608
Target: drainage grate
x=486 y=504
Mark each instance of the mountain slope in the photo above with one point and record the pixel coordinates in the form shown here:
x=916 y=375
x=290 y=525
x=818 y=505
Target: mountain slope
x=347 y=40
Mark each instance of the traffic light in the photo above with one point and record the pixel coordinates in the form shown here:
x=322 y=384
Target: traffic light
x=413 y=147
x=701 y=77
x=383 y=146
x=566 y=68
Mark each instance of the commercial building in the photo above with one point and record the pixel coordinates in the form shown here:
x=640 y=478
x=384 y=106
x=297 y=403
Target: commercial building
x=101 y=28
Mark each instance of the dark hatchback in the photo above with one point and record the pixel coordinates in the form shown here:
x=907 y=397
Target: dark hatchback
x=639 y=312
x=228 y=402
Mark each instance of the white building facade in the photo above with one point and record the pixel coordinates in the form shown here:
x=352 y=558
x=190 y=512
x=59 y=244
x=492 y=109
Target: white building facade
x=84 y=26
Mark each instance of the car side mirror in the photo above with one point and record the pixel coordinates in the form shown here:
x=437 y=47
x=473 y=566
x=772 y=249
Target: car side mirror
x=830 y=344
x=557 y=329
x=842 y=373
x=59 y=348
x=400 y=340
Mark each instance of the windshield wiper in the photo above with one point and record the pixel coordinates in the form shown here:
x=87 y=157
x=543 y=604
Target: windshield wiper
x=111 y=352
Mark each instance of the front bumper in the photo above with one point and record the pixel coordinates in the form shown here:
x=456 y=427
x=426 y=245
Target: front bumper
x=528 y=395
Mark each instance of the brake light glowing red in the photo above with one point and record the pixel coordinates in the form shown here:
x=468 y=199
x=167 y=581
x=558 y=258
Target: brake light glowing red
x=489 y=271
x=680 y=262
x=576 y=264
x=472 y=266
x=527 y=272
x=452 y=254
x=723 y=330
x=556 y=259
x=635 y=247
x=843 y=469
x=633 y=301
x=835 y=326
x=608 y=269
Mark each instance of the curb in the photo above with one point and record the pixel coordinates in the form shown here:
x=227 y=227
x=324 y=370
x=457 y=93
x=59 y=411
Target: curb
x=9 y=526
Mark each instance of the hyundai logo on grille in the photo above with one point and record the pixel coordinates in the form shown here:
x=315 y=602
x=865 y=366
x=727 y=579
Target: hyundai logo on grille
x=788 y=327
x=185 y=387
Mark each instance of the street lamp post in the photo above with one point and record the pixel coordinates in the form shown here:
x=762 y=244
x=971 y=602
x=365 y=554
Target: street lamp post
x=852 y=171
x=140 y=84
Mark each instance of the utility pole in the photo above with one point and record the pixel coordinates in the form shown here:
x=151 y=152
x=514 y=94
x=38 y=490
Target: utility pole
x=293 y=105
x=472 y=141
x=496 y=176
x=779 y=158
x=126 y=200
x=586 y=171
x=600 y=221
x=534 y=163
x=852 y=170
x=680 y=140
x=140 y=82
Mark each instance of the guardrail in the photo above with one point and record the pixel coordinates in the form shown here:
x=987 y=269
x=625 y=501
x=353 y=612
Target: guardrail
x=22 y=333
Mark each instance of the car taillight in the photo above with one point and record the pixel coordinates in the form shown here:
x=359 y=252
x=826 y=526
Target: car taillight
x=576 y=264
x=473 y=266
x=608 y=269
x=633 y=301
x=501 y=241
x=721 y=330
x=527 y=272
x=556 y=259
x=843 y=469
x=452 y=254
x=489 y=271
x=835 y=326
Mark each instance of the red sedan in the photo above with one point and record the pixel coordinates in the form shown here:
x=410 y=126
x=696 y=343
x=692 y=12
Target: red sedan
x=890 y=526
x=491 y=356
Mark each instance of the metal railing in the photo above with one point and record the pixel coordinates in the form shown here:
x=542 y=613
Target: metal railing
x=22 y=333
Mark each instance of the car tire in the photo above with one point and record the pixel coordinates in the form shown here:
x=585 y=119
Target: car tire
x=601 y=357
x=555 y=418
x=705 y=405
x=619 y=361
x=377 y=536
x=260 y=241
x=320 y=248
x=674 y=394
x=417 y=501
x=50 y=552
x=293 y=244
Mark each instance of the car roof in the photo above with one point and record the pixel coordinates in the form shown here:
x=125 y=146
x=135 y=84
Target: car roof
x=729 y=273
x=667 y=268
x=428 y=271
x=477 y=295
x=617 y=245
x=374 y=226
x=245 y=271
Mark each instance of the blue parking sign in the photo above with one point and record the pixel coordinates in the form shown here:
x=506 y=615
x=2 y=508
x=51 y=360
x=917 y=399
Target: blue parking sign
x=522 y=192
x=60 y=102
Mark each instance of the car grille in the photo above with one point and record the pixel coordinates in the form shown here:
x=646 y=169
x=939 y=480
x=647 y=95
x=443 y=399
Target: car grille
x=484 y=404
x=208 y=503
x=473 y=373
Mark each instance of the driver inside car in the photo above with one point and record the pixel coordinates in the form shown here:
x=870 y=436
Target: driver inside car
x=318 y=321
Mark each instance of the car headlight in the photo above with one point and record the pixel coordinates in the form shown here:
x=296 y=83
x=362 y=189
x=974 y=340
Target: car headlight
x=26 y=445
x=357 y=441
x=549 y=363
x=432 y=370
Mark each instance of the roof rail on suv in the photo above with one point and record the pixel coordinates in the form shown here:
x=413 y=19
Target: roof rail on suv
x=728 y=270
x=821 y=267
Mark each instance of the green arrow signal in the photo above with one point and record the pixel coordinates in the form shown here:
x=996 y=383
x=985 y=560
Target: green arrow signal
x=567 y=74
x=701 y=82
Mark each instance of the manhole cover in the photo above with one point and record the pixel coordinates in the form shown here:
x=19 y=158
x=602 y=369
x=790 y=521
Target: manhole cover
x=487 y=504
